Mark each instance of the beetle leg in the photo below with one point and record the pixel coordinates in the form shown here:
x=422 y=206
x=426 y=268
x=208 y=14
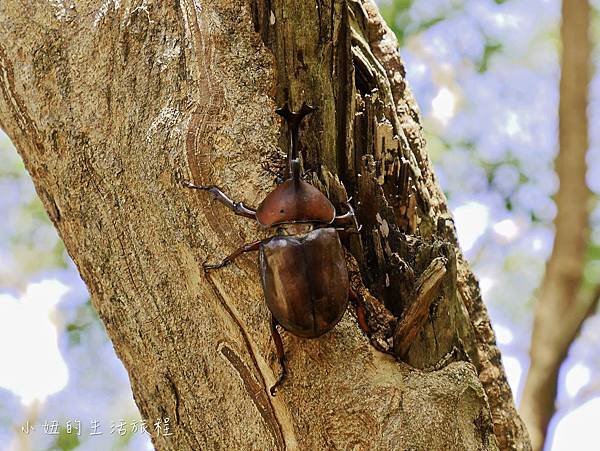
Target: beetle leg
x=242 y=250
x=278 y=178
x=280 y=355
x=310 y=171
x=361 y=312
x=347 y=220
x=237 y=207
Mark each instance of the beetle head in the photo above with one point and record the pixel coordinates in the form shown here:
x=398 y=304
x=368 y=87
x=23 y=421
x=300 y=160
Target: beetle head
x=295 y=200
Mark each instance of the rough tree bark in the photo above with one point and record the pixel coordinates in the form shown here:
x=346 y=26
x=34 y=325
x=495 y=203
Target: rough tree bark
x=112 y=104
x=562 y=307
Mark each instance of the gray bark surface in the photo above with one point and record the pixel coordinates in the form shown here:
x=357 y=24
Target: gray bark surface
x=113 y=104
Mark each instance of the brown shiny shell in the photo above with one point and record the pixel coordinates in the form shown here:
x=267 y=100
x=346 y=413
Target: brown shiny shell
x=305 y=281
x=295 y=202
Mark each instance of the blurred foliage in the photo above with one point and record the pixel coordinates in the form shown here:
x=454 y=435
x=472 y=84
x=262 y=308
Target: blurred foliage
x=28 y=241
x=481 y=72
x=66 y=441
x=97 y=386
x=485 y=74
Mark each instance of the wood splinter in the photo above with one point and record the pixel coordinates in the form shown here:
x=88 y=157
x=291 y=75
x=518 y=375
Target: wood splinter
x=426 y=290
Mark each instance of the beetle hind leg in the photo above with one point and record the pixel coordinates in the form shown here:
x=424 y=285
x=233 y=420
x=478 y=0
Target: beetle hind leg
x=280 y=355
x=361 y=312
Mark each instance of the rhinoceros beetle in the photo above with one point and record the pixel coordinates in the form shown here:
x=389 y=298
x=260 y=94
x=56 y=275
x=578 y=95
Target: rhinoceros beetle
x=302 y=267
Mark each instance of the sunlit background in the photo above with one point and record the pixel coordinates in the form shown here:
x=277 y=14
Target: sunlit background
x=58 y=371
x=485 y=74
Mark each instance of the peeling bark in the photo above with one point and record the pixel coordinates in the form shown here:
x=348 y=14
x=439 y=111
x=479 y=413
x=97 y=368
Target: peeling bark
x=113 y=105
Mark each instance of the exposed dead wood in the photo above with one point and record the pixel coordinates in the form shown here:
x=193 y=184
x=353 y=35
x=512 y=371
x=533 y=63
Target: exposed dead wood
x=414 y=318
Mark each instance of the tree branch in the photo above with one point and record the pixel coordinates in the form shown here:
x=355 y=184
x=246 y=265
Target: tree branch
x=560 y=309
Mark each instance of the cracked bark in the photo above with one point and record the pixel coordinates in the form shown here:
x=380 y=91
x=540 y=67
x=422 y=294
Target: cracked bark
x=112 y=105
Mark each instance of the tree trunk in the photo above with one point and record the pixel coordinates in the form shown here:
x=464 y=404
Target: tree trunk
x=112 y=105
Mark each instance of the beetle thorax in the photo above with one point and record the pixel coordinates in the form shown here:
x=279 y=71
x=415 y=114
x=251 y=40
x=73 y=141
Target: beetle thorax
x=299 y=228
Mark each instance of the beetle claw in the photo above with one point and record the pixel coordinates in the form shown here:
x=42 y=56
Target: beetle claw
x=308 y=171
x=356 y=225
x=189 y=184
x=210 y=266
x=278 y=179
x=276 y=385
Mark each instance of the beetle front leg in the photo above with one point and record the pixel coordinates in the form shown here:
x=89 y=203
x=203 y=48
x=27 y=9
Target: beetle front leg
x=280 y=355
x=237 y=207
x=242 y=250
x=278 y=178
x=347 y=220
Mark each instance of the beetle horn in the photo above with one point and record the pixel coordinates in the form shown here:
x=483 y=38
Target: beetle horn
x=293 y=120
